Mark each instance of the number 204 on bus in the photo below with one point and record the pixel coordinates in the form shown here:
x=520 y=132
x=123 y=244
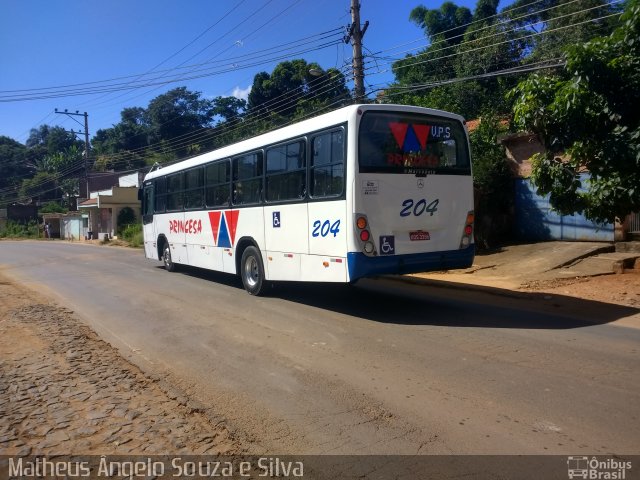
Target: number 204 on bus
x=362 y=191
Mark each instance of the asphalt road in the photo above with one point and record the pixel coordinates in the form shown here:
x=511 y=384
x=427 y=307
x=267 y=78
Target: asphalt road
x=382 y=367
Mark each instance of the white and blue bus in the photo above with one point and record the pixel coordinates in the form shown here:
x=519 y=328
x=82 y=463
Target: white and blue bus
x=358 y=192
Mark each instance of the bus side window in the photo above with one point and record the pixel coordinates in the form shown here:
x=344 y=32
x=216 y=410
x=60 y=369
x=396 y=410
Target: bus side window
x=327 y=164
x=194 y=183
x=147 y=203
x=217 y=184
x=286 y=172
x=175 y=192
x=161 y=195
x=247 y=179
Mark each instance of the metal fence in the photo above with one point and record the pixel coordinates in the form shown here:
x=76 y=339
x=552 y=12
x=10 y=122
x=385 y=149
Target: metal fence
x=634 y=223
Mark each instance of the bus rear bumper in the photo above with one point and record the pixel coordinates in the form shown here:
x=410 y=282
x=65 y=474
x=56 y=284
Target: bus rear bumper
x=361 y=265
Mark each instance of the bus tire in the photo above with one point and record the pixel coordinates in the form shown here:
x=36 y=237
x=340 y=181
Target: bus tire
x=252 y=271
x=169 y=266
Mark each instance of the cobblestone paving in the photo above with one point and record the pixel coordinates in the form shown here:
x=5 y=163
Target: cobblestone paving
x=65 y=391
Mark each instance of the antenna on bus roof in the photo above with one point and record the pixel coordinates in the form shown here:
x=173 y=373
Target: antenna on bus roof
x=155 y=166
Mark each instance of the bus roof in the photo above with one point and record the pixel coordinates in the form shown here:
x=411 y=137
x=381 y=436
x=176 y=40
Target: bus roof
x=336 y=117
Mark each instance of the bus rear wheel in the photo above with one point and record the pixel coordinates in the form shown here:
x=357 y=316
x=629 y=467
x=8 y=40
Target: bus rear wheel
x=252 y=271
x=169 y=266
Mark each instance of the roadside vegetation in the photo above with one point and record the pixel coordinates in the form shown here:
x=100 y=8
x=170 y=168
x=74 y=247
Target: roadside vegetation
x=132 y=234
x=20 y=230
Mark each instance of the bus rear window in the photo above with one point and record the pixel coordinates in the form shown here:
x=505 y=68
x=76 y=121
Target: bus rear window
x=401 y=142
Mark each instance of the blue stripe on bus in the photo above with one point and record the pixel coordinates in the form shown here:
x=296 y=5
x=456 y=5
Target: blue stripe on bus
x=361 y=265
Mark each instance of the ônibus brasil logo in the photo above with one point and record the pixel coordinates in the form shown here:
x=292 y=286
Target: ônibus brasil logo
x=594 y=468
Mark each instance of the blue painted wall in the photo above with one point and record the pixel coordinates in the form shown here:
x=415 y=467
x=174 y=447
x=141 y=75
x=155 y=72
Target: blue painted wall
x=536 y=221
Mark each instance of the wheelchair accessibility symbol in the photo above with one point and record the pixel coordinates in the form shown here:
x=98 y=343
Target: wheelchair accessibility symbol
x=276 y=219
x=387 y=245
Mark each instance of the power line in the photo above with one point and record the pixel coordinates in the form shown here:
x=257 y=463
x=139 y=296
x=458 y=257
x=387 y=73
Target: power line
x=507 y=71
x=132 y=86
x=190 y=70
x=547 y=32
x=186 y=141
x=188 y=44
x=513 y=70
x=465 y=26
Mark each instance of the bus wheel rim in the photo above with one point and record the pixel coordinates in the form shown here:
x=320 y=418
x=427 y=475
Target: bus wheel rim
x=251 y=273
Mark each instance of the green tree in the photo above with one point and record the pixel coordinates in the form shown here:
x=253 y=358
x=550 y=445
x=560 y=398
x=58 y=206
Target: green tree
x=42 y=187
x=63 y=163
x=163 y=130
x=489 y=46
x=570 y=23
x=449 y=20
x=589 y=121
x=292 y=86
x=465 y=46
x=444 y=28
x=492 y=181
x=229 y=109
x=122 y=146
x=462 y=45
x=13 y=163
x=52 y=207
x=131 y=133
x=177 y=113
x=280 y=91
x=56 y=176
x=70 y=188
x=47 y=140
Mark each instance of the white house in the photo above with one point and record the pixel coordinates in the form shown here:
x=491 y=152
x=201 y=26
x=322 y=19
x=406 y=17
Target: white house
x=105 y=206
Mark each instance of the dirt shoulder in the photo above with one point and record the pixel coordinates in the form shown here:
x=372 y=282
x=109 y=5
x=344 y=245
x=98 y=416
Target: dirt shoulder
x=618 y=289
x=63 y=390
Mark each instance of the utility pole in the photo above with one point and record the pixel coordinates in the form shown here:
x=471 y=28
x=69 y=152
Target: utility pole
x=86 y=140
x=354 y=35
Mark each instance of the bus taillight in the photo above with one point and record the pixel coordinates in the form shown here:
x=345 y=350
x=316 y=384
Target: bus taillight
x=467 y=232
x=364 y=235
x=470 y=218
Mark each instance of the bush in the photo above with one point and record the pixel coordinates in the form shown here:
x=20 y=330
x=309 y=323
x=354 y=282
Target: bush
x=133 y=234
x=126 y=217
x=20 y=230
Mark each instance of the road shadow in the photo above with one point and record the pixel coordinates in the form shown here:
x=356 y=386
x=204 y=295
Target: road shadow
x=403 y=301
x=226 y=279
x=393 y=300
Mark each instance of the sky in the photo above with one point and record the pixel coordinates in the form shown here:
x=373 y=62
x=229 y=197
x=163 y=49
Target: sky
x=78 y=43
